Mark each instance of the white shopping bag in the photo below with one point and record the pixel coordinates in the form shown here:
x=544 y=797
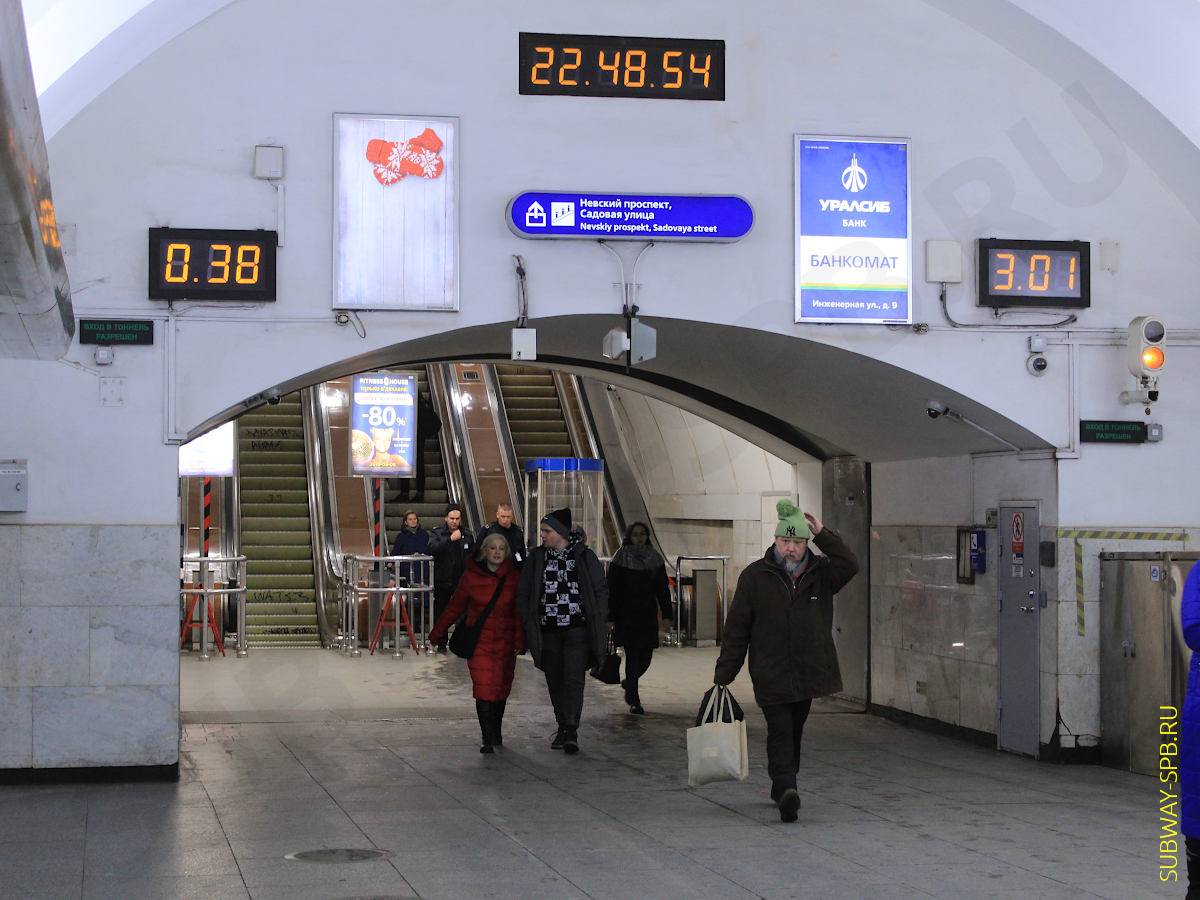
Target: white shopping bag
x=717 y=749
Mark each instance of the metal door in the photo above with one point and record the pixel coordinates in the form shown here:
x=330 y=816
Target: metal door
x=1017 y=644
x=1143 y=658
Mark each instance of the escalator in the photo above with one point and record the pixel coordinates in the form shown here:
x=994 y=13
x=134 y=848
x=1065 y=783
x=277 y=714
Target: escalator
x=276 y=533
x=535 y=417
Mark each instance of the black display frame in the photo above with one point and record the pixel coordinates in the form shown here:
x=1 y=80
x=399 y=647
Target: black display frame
x=989 y=297
x=263 y=292
x=527 y=41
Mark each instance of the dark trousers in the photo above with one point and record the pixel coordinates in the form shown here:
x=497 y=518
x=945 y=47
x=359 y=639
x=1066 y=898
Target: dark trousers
x=565 y=660
x=785 y=727
x=1192 y=846
x=637 y=661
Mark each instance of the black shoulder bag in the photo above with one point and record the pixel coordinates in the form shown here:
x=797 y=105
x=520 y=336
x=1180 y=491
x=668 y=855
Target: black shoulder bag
x=462 y=642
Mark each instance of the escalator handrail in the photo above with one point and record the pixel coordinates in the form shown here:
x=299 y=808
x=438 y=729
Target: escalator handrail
x=583 y=439
x=457 y=460
x=512 y=469
x=326 y=539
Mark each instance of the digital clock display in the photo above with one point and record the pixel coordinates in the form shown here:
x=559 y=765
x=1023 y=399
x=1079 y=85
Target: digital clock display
x=1035 y=273
x=212 y=264
x=589 y=65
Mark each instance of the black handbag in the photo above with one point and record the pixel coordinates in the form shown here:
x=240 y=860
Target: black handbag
x=609 y=670
x=462 y=642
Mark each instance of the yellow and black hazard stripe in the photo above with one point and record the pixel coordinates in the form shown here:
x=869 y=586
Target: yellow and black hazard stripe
x=1078 y=535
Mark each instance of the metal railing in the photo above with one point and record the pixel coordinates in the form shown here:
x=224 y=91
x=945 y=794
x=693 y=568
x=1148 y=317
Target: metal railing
x=374 y=576
x=231 y=570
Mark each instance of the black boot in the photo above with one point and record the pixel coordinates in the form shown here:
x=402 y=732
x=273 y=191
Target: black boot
x=497 y=721
x=483 y=709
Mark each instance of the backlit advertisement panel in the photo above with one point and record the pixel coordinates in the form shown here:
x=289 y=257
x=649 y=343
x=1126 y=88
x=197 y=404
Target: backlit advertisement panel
x=853 y=230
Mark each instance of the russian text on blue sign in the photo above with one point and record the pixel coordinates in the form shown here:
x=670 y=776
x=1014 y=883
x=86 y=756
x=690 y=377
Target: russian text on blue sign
x=639 y=217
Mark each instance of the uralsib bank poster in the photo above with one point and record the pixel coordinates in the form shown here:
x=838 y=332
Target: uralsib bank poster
x=853 y=230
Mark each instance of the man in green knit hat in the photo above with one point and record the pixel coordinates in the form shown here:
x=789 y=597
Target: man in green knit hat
x=782 y=613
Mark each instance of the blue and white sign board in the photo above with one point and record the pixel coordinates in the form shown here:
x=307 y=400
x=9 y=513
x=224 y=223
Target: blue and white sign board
x=638 y=217
x=383 y=425
x=853 y=230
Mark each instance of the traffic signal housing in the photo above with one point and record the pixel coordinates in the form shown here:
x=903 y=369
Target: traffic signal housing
x=1146 y=354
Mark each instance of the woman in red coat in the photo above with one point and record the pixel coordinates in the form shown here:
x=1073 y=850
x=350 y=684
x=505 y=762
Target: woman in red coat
x=501 y=638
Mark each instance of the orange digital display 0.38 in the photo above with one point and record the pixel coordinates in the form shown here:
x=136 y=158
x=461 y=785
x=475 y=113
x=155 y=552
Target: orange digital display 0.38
x=589 y=65
x=220 y=264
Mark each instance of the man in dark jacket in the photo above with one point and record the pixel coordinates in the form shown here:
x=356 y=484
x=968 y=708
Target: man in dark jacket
x=507 y=529
x=563 y=603
x=782 y=612
x=449 y=545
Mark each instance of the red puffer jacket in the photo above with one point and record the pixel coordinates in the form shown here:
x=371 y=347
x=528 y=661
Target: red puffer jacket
x=494 y=660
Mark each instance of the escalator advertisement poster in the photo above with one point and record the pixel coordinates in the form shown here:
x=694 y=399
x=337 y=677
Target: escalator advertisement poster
x=383 y=424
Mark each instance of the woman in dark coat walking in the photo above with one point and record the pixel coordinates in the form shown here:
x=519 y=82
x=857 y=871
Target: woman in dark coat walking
x=639 y=605
x=502 y=637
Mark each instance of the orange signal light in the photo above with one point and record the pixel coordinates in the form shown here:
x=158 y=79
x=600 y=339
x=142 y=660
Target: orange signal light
x=1153 y=358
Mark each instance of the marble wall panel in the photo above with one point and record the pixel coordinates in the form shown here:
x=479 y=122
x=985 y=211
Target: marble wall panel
x=1078 y=654
x=44 y=646
x=885 y=616
x=10 y=574
x=134 y=645
x=939 y=555
x=978 y=693
x=1079 y=707
x=885 y=685
x=105 y=726
x=980 y=630
x=98 y=565
x=16 y=727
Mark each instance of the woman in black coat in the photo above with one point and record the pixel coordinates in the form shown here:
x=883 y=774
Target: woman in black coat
x=639 y=605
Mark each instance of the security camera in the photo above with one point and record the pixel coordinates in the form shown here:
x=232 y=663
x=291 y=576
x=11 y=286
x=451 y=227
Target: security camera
x=935 y=409
x=272 y=396
x=1037 y=364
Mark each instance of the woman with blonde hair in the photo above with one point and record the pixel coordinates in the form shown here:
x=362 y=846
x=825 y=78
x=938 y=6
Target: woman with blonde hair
x=489 y=578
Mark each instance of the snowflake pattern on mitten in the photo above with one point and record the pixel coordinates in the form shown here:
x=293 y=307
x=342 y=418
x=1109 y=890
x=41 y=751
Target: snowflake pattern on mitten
x=417 y=156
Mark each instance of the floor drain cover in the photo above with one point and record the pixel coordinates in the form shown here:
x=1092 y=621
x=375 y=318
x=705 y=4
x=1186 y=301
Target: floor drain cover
x=337 y=856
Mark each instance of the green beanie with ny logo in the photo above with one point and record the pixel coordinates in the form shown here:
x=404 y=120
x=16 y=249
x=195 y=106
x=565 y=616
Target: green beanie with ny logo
x=792 y=523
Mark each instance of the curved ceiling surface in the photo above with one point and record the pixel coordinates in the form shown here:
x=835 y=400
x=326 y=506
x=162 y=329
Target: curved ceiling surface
x=781 y=392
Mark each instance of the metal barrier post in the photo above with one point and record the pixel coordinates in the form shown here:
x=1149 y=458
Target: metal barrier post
x=240 y=562
x=205 y=585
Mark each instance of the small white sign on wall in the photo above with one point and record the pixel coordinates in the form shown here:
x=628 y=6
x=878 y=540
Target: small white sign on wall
x=395 y=215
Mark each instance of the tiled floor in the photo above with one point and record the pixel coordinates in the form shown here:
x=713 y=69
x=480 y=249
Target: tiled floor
x=290 y=751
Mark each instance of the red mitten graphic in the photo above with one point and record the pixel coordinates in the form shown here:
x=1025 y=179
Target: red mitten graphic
x=429 y=140
x=418 y=156
x=416 y=160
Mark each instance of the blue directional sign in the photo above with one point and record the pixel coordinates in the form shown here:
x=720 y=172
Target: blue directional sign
x=637 y=217
x=853 y=229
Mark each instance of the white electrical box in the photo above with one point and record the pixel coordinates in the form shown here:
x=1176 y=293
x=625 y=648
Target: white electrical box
x=14 y=485
x=268 y=162
x=524 y=343
x=943 y=261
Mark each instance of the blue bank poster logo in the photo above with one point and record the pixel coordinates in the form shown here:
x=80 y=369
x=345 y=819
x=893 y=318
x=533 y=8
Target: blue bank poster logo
x=383 y=424
x=853 y=230
x=638 y=217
